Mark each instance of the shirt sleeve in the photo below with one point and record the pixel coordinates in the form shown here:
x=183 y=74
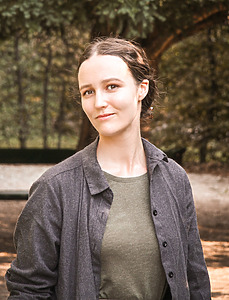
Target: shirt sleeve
x=199 y=283
x=33 y=274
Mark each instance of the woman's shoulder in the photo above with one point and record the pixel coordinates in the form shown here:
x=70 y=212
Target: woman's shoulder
x=167 y=165
x=70 y=164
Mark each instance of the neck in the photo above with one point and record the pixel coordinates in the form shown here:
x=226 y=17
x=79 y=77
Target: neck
x=122 y=156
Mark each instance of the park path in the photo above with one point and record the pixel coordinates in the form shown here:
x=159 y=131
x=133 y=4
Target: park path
x=211 y=194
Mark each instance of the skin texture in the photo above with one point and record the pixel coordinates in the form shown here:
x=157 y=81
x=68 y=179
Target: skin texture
x=112 y=101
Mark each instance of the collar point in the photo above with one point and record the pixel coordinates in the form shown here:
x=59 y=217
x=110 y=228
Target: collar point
x=165 y=158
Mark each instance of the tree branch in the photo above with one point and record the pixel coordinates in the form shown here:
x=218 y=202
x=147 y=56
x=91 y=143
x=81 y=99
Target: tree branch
x=161 y=38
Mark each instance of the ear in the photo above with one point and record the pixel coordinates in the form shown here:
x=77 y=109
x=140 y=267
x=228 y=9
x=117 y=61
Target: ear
x=143 y=89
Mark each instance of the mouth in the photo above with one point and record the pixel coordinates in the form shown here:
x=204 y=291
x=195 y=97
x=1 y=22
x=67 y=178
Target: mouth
x=104 y=116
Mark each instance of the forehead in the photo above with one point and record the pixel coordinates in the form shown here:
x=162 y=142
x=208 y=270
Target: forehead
x=99 y=66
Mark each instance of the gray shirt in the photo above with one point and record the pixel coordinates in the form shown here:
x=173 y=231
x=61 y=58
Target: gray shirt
x=59 y=233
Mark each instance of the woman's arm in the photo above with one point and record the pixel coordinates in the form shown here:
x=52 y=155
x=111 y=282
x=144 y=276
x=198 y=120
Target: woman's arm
x=33 y=274
x=199 y=283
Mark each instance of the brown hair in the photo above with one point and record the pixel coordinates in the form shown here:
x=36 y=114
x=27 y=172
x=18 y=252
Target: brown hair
x=135 y=58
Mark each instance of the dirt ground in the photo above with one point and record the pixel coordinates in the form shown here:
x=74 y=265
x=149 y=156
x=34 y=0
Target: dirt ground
x=211 y=194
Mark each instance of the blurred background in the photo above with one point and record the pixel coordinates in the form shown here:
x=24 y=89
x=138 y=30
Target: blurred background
x=187 y=42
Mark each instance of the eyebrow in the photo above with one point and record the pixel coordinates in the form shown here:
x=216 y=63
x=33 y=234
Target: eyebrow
x=103 y=81
x=84 y=86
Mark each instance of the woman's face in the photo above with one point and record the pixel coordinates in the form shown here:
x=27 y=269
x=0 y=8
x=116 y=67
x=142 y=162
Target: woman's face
x=110 y=96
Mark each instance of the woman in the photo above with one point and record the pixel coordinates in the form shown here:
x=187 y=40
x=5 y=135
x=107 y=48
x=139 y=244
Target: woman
x=117 y=219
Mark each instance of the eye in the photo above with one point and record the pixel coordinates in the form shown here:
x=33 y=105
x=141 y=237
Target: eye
x=112 y=86
x=88 y=92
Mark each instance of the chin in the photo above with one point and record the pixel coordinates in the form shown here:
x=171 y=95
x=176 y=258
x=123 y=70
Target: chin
x=107 y=132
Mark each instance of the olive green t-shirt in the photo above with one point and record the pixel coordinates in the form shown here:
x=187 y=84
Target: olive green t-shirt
x=131 y=266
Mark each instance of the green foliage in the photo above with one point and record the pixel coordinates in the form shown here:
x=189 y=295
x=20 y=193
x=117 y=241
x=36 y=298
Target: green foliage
x=130 y=18
x=35 y=16
x=140 y=18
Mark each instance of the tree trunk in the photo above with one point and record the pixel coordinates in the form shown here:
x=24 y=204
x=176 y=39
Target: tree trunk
x=60 y=118
x=203 y=151
x=213 y=94
x=22 y=113
x=45 y=97
x=213 y=82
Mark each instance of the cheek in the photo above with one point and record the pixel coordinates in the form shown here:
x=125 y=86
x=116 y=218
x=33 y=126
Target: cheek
x=125 y=101
x=85 y=106
x=86 y=109
x=130 y=103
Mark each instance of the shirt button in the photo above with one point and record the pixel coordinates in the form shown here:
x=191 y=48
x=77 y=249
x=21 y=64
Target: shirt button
x=170 y=274
x=155 y=212
x=165 y=244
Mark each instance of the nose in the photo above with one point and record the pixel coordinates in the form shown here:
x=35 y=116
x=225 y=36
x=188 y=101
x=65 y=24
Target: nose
x=100 y=99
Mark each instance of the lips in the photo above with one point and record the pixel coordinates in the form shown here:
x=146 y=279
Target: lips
x=104 y=116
